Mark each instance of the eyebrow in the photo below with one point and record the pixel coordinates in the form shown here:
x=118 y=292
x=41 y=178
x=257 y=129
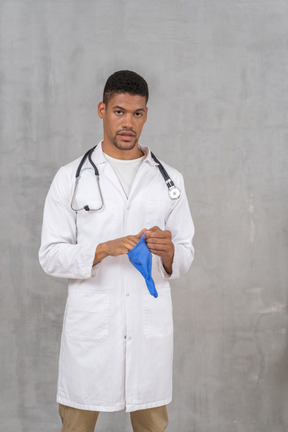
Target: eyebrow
x=123 y=109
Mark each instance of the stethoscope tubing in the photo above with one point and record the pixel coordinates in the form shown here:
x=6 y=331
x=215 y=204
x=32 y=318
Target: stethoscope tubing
x=173 y=191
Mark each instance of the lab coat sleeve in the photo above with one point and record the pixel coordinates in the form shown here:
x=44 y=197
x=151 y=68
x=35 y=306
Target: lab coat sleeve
x=181 y=225
x=59 y=254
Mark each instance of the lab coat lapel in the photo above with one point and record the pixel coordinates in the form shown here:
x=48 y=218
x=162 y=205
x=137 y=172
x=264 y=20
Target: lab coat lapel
x=144 y=176
x=105 y=169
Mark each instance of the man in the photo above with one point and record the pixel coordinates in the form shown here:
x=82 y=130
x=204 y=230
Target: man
x=117 y=339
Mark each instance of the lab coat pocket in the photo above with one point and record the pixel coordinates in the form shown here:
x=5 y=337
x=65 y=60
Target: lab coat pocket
x=158 y=315
x=98 y=226
x=87 y=315
x=157 y=212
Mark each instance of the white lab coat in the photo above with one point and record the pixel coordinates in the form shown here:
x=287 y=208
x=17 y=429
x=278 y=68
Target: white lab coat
x=117 y=340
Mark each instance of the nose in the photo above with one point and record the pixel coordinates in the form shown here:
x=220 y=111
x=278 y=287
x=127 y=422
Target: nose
x=127 y=121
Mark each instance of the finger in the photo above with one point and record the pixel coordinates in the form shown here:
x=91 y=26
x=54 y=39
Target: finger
x=159 y=243
x=128 y=243
x=160 y=247
x=158 y=240
x=132 y=241
x=158 y=237
x=133 y=238
x=154 y=234
x=163 y=238
x=164 y=245
x=154 y=252
x=161 y=250
x=159 y=234
x=155 y=228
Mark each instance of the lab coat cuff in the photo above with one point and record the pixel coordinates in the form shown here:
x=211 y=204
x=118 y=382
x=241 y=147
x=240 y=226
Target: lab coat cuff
x=93 y=268
x=163 y=272
x=88 y=270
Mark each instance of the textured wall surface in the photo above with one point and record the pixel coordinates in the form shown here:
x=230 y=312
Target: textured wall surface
x=218 y=75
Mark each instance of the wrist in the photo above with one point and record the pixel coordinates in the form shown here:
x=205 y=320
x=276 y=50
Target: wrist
x=167 y=264
x=100 y=253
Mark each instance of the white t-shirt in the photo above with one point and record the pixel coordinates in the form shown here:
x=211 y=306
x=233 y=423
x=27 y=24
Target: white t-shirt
x=125 y=170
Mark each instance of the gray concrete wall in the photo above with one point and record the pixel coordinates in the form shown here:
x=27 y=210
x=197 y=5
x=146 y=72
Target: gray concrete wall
x=218 y=75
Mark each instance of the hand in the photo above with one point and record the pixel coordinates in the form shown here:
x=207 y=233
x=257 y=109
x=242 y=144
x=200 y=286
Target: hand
x=160 y=243
x=119 y=246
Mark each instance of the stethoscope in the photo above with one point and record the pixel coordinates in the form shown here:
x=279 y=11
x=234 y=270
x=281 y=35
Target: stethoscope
x=173 y=192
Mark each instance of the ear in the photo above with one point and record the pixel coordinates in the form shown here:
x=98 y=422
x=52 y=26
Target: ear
x=101 y=110
x=146 y=113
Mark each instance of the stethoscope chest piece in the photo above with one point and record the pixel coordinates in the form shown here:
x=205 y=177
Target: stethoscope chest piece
x=174 y=192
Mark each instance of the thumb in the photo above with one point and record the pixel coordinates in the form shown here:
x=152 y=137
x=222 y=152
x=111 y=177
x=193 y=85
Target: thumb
x=144 y=230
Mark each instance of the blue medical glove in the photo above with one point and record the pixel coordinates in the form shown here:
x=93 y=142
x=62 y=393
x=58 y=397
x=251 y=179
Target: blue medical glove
x=141 y=257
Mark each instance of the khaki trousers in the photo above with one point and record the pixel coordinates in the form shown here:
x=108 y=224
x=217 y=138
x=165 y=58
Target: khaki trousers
x=149 y=420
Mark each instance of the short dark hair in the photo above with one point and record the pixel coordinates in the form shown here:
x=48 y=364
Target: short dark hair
x=125 y=81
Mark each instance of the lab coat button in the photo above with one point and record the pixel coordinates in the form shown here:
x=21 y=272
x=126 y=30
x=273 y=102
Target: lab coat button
x=130 y=338
x=127 y=294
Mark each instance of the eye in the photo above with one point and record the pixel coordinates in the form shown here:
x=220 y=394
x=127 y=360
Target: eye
x=118 y=112
x=138 y=114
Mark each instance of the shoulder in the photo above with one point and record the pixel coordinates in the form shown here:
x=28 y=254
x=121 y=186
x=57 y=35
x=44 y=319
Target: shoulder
x=171 y=169
x=68 y=171
x=173 y=173
x=71 y=167
x=64 y=179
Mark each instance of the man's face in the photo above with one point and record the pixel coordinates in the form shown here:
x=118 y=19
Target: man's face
x=123 y=119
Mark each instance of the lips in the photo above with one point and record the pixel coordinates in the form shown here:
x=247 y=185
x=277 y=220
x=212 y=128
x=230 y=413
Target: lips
x=126 y=134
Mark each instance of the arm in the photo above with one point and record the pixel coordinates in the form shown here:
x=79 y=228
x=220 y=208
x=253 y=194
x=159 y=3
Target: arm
x=116 y=247
x=60 y=255
x=160 y=243
x=174 y=244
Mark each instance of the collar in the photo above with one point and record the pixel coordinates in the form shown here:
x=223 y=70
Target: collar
x=98 y=155
x=99 y=158
x=148 y=158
